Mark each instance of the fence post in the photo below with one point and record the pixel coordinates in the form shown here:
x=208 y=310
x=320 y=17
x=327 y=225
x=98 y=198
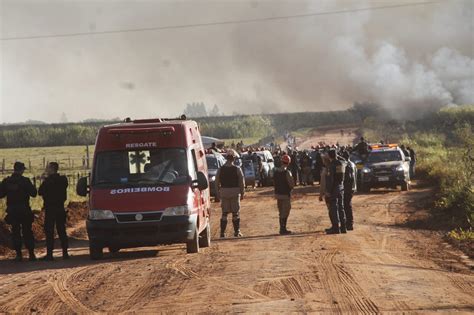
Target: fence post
x=44 y=162
x=87 y=156
x=3 y=166
x=29 y=164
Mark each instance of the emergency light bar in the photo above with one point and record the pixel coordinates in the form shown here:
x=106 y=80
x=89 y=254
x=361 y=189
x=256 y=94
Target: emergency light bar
x=167 y=129
x=379 y=146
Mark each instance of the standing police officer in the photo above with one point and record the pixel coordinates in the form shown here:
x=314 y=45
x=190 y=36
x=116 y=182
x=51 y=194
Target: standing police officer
x=230 y=185
x=18 y=190
x=350 y=187
x=335 y=191
x=283 y=186
x=54 y=193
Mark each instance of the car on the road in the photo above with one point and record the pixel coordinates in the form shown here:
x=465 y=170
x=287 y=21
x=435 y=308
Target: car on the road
x=386 y=166
x=214 y=163
x=263 y=164
x=148 y=186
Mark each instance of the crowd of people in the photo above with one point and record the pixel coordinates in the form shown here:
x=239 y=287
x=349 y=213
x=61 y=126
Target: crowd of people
x=332 y=166
x=329 y=165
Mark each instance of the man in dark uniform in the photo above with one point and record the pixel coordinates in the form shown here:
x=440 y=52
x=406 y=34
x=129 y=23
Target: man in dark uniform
x=335 y=192
x=412 y=162
x=283 y=186
x=54 y=193
x=230 y=185
x=18 y=190
x=362 y=148
x=350 y=187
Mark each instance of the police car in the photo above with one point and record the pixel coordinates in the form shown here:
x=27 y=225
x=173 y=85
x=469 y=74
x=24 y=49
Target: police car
x=386 y=166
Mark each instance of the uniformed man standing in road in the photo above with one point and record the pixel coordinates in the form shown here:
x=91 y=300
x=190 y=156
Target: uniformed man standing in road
x=230 y=185
x=335 y=192
x=54 y=193
x=284 y=184
x=18 y=190
x=350 y=187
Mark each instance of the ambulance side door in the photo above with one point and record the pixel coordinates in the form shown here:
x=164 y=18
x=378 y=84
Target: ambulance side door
x=199 y=196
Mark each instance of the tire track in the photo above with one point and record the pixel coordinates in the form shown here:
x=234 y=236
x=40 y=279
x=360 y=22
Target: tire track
x=347 y=295
x=20 y=293
x=178 y=266
x=145 y=289
x=59 y=284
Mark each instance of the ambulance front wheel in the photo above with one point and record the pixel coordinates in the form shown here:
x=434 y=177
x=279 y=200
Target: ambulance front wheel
x=96 y=251
x=205 y=238
x=192 y=246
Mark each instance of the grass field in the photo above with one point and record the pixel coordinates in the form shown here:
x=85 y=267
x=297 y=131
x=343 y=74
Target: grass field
x=70 y=159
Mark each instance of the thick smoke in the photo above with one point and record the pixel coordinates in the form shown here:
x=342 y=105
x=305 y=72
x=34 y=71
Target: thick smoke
x=410 y=59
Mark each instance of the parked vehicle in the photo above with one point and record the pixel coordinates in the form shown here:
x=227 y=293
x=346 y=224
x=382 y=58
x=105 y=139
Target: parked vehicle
x=386 y=166
x=214 y=163
x=249 y=173
x=148 y=186
x=267 y=167
x=263 y=165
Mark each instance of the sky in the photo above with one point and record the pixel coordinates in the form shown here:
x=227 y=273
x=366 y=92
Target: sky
x=410 y=59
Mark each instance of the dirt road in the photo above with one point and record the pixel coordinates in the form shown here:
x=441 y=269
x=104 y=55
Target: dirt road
x=381 y=266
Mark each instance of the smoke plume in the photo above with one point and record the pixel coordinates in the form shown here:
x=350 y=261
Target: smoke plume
x=409 y=59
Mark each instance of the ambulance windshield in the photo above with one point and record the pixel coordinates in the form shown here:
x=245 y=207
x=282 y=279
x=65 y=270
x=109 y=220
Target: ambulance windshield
x=148 y=167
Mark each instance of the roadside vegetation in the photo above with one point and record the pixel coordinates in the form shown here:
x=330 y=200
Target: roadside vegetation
x=444 y=142
x=223 y=127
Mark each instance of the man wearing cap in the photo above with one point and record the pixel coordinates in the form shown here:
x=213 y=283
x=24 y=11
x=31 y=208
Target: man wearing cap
x=284 y=184
x=230 y=185
x=18 y=190
x=54 y=193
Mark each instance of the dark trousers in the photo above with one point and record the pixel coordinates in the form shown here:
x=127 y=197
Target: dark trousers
x=412 y=169
x=348 y=206
x=22 y=233
x=55 y=218
x=337 y=214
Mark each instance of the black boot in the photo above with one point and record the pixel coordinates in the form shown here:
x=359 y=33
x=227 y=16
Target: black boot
x=223 y=226
x=343 y=227
x=283 y=230
x=350 y=226
x=32 y=256
x=49 y=255
x=236 y=224
x=19 y=256
x=333 y=230
x=65 y=254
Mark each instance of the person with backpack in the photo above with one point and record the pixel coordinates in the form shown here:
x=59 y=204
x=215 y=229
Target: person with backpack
x=54 y=193
x=18 y=189
x=284 y=184
x=350 y=187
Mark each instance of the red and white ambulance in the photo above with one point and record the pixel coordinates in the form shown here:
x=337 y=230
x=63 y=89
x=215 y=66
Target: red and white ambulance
x=148 y=186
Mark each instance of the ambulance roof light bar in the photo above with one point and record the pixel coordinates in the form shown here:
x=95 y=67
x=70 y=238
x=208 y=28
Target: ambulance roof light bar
x=152 y=120
x=135 y=130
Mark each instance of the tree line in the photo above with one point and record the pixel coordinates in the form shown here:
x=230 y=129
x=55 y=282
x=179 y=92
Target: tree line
x=224 y=127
